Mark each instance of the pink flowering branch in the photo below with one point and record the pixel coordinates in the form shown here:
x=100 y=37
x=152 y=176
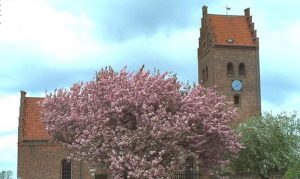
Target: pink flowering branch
x=137 y=124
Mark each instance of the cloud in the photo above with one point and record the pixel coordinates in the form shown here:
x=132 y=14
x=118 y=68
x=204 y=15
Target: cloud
x=37 y=27
x=9 y=106
x=277 y=88
x=176 y=52
x=126 y=19
x=7 y=133
x=36 y=78
x=8 y=153
x=280 y=63
x=35 y=72
x=61 y=41
x=9 y=113
x=291 y=104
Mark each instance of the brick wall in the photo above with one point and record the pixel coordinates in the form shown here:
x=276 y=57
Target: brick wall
x=38 y=158
x=250 y=93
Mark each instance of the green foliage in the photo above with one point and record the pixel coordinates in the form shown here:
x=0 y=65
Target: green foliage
x=271 y=145
x=294 y=171
x=6 y=174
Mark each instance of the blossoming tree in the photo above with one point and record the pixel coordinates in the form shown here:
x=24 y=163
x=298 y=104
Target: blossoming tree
x=137 y=124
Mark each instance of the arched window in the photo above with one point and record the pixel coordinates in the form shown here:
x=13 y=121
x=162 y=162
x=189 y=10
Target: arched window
x=242 y=69
x=66 y=169
x=230 y=70
x=189 y=163
x=189 y=168
x=203 y=75
x=237 y=99
x=206 y=74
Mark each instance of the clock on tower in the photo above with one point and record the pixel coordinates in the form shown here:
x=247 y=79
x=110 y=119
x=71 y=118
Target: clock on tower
x=237 y=85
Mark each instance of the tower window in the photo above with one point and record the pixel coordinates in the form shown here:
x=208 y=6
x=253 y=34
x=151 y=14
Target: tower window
x=206 y=74
x=242 y=69
x=203 y=75
x=237 y=99
x=230 y=70
x=66 y=169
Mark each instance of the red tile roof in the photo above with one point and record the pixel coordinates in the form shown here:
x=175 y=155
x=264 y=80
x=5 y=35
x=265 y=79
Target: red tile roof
x=226 y=27
x=33 y=128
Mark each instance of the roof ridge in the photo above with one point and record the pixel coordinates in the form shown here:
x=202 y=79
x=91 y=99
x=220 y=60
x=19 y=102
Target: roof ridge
x=34 y=97
x=226 y=15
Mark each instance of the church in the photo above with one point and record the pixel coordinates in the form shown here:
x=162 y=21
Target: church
x=228 y=59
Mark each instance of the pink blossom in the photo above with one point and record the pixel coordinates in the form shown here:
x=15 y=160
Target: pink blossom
x=139 y=123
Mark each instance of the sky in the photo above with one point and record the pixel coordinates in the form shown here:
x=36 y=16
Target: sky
x=48 y=44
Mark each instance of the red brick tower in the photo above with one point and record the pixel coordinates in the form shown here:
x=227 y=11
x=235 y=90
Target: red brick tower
x=228 y=58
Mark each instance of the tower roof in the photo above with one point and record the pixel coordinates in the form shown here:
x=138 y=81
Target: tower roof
x=233 y=30
x=230 y=30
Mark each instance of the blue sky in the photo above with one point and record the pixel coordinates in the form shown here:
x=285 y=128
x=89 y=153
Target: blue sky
x=48 y=44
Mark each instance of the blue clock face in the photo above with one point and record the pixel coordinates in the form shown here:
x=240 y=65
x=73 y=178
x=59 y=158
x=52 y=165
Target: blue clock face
x=236 y=85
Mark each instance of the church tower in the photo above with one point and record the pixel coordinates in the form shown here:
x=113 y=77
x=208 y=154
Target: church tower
x=228 y=58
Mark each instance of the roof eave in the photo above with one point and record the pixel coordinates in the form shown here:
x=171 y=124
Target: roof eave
x=234 y=45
